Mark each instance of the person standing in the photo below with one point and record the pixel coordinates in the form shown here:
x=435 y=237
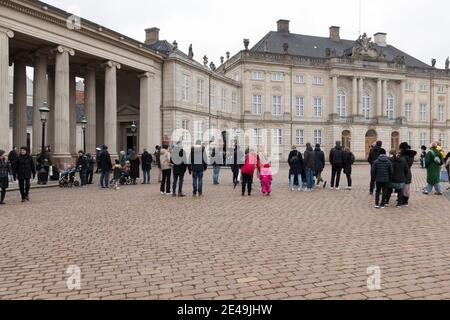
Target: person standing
x=166 y=168
x=135 y=166
x=447 y=166
x=319 y=165
x=25 y=169
x=349 y=160
x=409 y=156
x=158 y=161
x=252 y=162
x=180 y=164
x=374 y=154
x=197 y=166
x=82 y=166
x=423 y=154
x=12 y=157
x=217 y=162
x=238 y=158
x=90 y=171
x=295 y=161
x=105 y=164
x=309 y=167
x=382 y=172
x=337 y=164
x=147 y=161
x=266 y=180
x=5 y=170
x=399 y=176
x=433 y=163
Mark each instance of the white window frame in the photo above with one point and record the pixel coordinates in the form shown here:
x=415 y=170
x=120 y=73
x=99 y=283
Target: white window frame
x=441 y=88
x=341 y=101
x=300 y=79
x=234 y=102
x=317 y=80
x=277 y=137
x=257 y=104
x=277 y=76
x=423 y=112
x=366 y=105
x=423 y=139
x=441 y=113
x=423 y=88
x=317 y=107
x=408 y=111
x=257 y=75
x=300 y=106
x=276 y=105
x=212 y=96
x=200 y=92
x=409 y=87
x=185 y=87
x=442 y=140
x=257 y=136
x=300 y=137
x=410 y=138
x=185 y=127
x=317 y=136
x=390 y=106
x=223 y=100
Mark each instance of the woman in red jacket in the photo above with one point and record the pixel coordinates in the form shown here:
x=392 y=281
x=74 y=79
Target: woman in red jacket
x=252 y=162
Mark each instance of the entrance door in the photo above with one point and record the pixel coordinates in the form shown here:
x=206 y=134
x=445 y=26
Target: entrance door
x=131 y=140
x=371 y=139
x=395 y=141
x=346 y=139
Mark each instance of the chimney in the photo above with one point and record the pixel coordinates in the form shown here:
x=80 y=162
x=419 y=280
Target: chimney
x=151 y=35
x=334 y=33
x=380 y=39
x=283 y=26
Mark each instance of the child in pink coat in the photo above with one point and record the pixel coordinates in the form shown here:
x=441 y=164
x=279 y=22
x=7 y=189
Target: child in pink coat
x=266 y=179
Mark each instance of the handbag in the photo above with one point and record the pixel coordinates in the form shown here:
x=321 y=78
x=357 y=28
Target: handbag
x=444 y=176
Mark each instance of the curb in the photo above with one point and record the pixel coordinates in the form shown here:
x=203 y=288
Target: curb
x=48 y=186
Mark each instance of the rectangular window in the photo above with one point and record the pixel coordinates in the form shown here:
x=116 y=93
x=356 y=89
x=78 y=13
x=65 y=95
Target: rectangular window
x=408 y=111
x=212 y=96
x=442 y=140
x=234 y=102
x=300 y=79
x=441 y=89
x=277 y=137
x=276 y=111
x=423 y=139
x=318 y=136
x=423 y=112
x=441 y=113
x=200 y=91
x=223 y=100
x=317 y=80
x=257 y=75
x=300 y=137
x=299 y=106
x=257 y=104
x=410 y=138
x=423 y=88
x=277 y=76
x=185 y=127
x=408 y=86
x=317 y=106
x=198 y=131
x=257 y=137
x=185 y=88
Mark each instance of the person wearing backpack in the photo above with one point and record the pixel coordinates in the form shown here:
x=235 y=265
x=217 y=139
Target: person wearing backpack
x=349 y=160
x=382 y=171
x=147 y=161
x=295 y=161
x=433 y=163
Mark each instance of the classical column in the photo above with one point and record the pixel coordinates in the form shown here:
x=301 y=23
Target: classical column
x=90 y=107
x=360 y=96
x=335 y=90
x=379 y=111
x=4 y=87
x=40 y=92
x=355 y=96
x=62 y=103
x=150 y=114
x=20 y=103
x=385 y=87
x=111 y=106
x=51 y=105
x=73 y=115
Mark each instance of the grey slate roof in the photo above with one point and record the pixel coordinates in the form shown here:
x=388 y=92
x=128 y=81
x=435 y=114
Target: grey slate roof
x=165 y=47
x=315 y=47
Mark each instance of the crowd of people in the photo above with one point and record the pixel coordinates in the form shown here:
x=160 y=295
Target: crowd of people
x=390 y=174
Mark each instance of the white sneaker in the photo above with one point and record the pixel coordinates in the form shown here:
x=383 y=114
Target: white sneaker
x=338 y=188
x=349 y=188
x=331 y=188
x=163 y=193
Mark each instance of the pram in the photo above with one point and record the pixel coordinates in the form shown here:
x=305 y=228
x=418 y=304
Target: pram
x=67 y=179
x=125 y=179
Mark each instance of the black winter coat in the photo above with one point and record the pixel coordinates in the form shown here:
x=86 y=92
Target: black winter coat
x=296 y=163
x=179 y=161
x=147 y=161
x=349 y=160
x=104 y=161
x=400 y=170
x=374 y=154
x=337 y=157
x=319 y=160
x=24 y=167
x=382 y=169
x=134 y=168
x=309 y=161
x=198 y=159
x=409 y=156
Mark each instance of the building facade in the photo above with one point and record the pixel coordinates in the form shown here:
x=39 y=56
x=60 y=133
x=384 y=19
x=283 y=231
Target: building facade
x=288 y=89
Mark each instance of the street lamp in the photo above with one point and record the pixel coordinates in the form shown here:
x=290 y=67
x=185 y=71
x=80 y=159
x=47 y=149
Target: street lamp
x=83 y=126
x=133 y=130
x=44 y=111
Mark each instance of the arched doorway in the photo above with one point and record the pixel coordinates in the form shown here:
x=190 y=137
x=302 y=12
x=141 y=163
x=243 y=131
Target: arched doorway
x=395 y=140
x=346 y=139
x=371 y=139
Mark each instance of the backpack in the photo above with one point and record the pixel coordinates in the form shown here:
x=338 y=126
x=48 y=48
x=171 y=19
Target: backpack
x=438 y=159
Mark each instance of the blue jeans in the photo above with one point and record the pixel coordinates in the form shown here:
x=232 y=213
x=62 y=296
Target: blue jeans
x=437 y=187
x=300 y=184
x=216 y=174
x=197 y=182
x=178 y=180
x=146 y=176
x=309 y=179
x=83 y=177
x=104 y=179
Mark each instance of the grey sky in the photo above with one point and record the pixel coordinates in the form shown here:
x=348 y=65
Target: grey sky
x=417 y=27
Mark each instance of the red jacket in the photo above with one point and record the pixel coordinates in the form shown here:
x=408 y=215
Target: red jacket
x=251 y=162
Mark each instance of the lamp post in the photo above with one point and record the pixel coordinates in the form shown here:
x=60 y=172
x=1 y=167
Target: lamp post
x=133 y=130
x=83 y=126
x=44 y=111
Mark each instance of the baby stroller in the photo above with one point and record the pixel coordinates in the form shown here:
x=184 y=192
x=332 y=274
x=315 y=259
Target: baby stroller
x=67 y=179
x=125 y=179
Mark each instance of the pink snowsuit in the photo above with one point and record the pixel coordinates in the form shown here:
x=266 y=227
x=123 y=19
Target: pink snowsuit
x=266 y=179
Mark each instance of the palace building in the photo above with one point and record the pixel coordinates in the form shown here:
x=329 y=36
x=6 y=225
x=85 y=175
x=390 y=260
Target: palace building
x=288 y=89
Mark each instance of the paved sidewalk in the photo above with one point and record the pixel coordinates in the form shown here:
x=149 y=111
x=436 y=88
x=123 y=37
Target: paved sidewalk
x=134 y=243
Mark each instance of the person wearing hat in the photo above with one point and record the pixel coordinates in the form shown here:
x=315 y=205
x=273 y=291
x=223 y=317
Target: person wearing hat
x=337 y=164
x=25 y=168
x=409 y=155
x=319 y=163
x=105 y=167
x=296 y=168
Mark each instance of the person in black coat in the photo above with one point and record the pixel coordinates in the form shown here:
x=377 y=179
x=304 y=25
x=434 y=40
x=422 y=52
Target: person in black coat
x=382 y=172
x=90 y=170
x=197 y=166
x=349 y=160
x=400 y=172
x=236 y=163
x=296 y=168
x=25 y=169
x=105 y=164
x=12 y=157
x=82 y=166
x=180 y=165
x=135 y=164
x=5 y=170
x=319 y=163
x=147 y=161
x=409 y=155
x=374 y=154
x=337 y=164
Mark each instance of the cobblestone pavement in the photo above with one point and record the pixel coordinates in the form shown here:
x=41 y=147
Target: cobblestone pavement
x=134 y=243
